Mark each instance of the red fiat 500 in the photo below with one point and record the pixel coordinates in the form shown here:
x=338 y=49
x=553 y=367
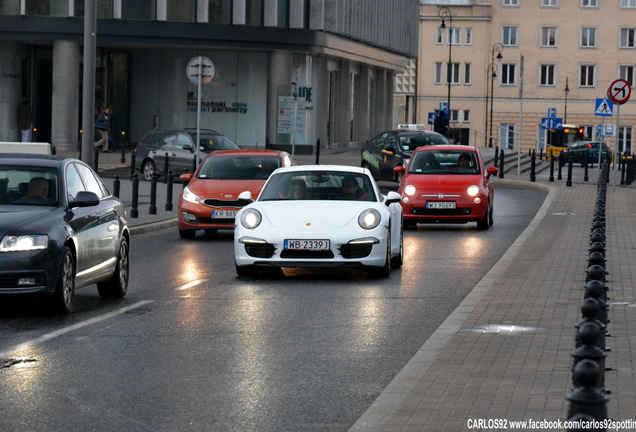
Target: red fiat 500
x=210 y=199
x=447 y=184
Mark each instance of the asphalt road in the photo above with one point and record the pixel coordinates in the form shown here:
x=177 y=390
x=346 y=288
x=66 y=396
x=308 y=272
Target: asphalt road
x=192 y=347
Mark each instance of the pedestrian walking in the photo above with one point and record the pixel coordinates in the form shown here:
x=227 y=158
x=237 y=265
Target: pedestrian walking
x=103 y=128
x=25 y=120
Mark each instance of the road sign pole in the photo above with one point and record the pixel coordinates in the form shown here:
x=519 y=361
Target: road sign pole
x=197 y=143
x=617 y=139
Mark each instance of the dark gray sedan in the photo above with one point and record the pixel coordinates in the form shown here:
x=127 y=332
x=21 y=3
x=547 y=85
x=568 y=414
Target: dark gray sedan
x=178 y=146
x=60 y=229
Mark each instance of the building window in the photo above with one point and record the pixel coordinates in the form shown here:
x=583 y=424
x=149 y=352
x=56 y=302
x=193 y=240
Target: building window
x=438 y=72
x=469 y=36
x=454 y=73
x=104 y=9
x=467 y=74
x=219 y=12
x=139 y=9
x=548 y=37
x=507 y=134
x=627 y=37
x=589 y=3
x=510 y=3
x=440 y=36
x=549 y=3
x=464 y=116
x=455 y=36
x=588 y=37
x=46 y=7
x=180 y=10
x=509 y=36
x=546 y=75
x=586 y=75
x=626 y=72
x=628 y=3
x=254 y=12
x=508 y=74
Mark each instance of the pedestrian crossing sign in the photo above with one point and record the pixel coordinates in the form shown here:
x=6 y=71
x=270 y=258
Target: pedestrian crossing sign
x=603 y=107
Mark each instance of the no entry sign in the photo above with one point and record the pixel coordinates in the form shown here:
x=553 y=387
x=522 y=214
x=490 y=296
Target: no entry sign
x=619 y=91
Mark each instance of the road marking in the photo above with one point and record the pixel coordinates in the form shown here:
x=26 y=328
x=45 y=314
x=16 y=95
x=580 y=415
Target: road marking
x=48 y=336
x=191 y=284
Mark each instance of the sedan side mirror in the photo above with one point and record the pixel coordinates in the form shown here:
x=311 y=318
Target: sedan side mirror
x=399 y=169
x=85 y=199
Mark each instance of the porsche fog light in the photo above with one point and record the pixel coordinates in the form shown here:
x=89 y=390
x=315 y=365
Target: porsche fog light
x=473 y=190
x=23 y=243
x=251 y=218
x=409 y=190
x=369 y=219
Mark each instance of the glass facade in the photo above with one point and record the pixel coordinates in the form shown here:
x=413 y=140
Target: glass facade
x=220 y=11
x=139 y=9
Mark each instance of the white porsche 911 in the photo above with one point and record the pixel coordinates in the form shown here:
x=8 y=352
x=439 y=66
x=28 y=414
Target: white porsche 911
x=319 y=216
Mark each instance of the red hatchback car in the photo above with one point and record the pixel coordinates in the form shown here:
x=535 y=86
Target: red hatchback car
x=447 y=184
x=210 y=199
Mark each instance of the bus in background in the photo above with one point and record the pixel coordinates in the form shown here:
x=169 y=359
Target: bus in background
x=560 y=139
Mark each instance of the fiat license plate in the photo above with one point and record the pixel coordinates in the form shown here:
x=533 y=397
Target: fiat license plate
x=303 y=244
x=441 y=205
x=224 y=214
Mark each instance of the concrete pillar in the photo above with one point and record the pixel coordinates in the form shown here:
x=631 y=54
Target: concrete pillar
x=279 y=73
x=343 y=106
x=363 y=113
x=65 y=98
x=320 y=72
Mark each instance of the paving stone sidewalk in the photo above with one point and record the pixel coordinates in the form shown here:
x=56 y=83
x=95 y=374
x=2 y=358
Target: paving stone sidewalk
x=505 y=353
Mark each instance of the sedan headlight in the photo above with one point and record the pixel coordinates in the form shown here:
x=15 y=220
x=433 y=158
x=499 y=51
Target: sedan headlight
x=473 y=190
x=409 y=190
x=251 y=218
x=369 y=219
x=189 y=196
x=12 y=243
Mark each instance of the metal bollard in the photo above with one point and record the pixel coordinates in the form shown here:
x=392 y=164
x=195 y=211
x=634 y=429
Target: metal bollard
x=551 y=179
x=153 y=195
x=169 y=192
x=585 y=169
x=560 y=160
x=123 y=150
x=134 y=211
x=116 y=185
x=587 y=397
x=501 y=164
x=569 y=180
x=533 y=176
x=133 y=158
x=496 y=162
x=596 y=272
x=318 y=152
x=165 y=169
x=96 y=159
x=587 y=336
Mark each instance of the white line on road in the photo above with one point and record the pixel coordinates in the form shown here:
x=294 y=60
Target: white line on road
x=48 y=336
x=191 y=284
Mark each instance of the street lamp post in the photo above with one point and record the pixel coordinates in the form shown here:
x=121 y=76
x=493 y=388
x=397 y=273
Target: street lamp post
x=445 y=14
x=492 y=71
x=565 y=112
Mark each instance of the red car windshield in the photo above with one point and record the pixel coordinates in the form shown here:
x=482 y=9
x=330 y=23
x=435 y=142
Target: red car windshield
x=444 y=162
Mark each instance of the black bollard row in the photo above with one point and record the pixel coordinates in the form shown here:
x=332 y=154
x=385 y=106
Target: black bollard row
x=153 y=195
x=169 y=192
x=134 y=211
x=588 y=398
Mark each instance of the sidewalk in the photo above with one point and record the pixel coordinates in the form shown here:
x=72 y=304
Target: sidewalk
x=505 y=352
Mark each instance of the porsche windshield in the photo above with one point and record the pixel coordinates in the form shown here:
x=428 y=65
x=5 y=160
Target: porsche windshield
x=318 y=185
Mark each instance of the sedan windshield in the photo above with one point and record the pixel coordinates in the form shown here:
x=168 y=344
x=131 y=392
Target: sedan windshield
x=233 y=167
x=444 y=162
x=210 y=142
x=28 y=186
x=318 y=185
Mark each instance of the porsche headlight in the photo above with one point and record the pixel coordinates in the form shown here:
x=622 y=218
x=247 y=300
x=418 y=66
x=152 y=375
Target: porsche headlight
x=409 y=190
x=251 y=218
x=369 y=219
x=12 y=243
x=473 y=190
x=189 y=196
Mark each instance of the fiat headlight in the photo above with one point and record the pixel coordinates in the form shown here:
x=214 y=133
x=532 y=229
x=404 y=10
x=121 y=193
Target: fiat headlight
x=251 y=218
x=13 y=243
x=369 y=219
x=473 y=190
x=191 y=197
x=409 y=190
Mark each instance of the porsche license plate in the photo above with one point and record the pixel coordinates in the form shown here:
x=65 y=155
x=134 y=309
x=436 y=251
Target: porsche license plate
x=224 y=214
x=305 y=244
x=441 y=204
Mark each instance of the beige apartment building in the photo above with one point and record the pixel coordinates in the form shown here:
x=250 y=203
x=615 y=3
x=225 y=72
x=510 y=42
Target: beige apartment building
x=516 y=63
